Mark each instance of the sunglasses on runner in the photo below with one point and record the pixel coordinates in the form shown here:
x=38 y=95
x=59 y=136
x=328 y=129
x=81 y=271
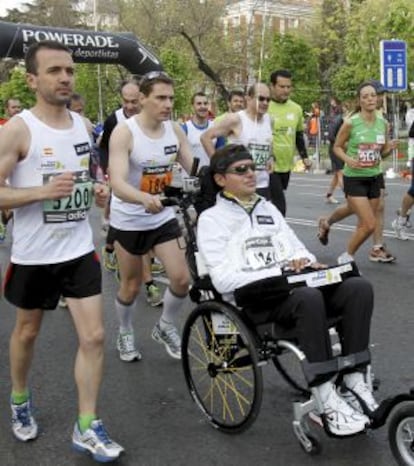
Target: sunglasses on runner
x=153 y=75
x=242 y=169
x=262 y=98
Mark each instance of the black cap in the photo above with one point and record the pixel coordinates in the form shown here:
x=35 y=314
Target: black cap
x=226 y=156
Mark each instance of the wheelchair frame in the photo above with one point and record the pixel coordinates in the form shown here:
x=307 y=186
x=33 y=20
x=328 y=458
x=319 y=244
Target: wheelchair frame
x=222 y=357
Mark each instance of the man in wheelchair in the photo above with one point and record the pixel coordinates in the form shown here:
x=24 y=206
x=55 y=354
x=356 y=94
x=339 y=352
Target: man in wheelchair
x=250 y=252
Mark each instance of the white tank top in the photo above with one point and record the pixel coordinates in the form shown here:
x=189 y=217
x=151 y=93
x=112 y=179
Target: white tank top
x=50 y=232
x=193 y=134
x=150 y=170
x=257 y=137
x=120 y=115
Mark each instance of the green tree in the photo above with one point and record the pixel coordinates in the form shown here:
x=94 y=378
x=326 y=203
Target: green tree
x=295 y=54
x=17 y=87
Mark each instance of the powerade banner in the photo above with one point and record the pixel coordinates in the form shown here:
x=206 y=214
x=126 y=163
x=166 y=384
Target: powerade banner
x=87 y=46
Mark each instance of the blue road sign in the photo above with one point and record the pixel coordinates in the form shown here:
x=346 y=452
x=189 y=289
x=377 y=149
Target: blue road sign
x=393 y=58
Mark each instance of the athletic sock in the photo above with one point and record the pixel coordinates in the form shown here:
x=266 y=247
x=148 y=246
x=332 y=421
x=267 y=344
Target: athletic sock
x=19 y=398
x=172 y=304
x=124 y=311
x=85 y=421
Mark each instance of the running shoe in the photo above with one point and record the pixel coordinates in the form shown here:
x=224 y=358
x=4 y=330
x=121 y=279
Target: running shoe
x=125 y=344
x=359 y=395
x=109 y=260
x=157 y=268
x=170 y=338
x=62 y=302
x=381 y=254
x=331 y=200
x=154 y=297
x=342 y=419
x=323 y=230
x=97 y=442
x=24 y=426
x=344 y=258
x=400 y=228
x=407 y=217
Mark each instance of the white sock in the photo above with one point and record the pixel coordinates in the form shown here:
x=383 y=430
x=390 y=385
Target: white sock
x=352 y=379
x=124 y=312
x=324 y=390
x=172 y=304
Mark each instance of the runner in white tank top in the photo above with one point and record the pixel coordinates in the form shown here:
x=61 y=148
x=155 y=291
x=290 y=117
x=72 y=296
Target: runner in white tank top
x=251 y=128
x=141 y=153
x=45 y=152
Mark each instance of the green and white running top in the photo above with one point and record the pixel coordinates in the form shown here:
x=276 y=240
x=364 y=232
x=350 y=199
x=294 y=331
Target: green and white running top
x=287 y=120
x=365 y=144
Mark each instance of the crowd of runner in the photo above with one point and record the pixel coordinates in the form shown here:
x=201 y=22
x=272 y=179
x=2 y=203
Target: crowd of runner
x=47 y=156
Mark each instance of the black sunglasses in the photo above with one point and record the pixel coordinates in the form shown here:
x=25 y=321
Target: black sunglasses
x=262 y=98
x=242 y=169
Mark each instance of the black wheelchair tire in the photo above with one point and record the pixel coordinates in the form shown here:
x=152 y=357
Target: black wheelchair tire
x=401 y=416
x=225 y=373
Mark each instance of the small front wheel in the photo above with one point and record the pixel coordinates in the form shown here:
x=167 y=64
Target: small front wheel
x=401 y=433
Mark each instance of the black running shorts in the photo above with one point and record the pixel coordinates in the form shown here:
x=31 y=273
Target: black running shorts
x=40 y=286
x=139 y=243
x=367 y=186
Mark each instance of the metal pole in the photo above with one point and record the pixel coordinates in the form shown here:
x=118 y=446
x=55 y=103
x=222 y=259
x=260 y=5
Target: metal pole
x=100 y=107
x=395 y=132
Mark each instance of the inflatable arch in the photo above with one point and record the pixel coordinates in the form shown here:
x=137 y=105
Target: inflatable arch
x=87 y=46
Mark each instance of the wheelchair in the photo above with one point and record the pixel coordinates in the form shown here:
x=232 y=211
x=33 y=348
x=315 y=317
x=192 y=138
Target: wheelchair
x=224 y=350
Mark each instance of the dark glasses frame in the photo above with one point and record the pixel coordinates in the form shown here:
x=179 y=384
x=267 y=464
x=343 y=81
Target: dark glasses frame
x=241 y=169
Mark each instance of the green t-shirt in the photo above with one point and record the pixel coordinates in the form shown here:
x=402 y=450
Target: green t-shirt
x=287 y=119
x=365 y=144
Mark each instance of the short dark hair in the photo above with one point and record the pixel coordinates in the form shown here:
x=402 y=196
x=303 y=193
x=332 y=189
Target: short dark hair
x=224 y=157
x=148 y=81
x=282 y=73
x=236 y=92
x=198 y=94
x=30 y=59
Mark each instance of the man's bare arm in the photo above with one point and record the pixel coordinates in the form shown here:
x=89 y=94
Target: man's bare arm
x=14 y=145
x=224 y=128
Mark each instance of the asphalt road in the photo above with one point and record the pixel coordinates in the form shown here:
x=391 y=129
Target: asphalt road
x=146 y=405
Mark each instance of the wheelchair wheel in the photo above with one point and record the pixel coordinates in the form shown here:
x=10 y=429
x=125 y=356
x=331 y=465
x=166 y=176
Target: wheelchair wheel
x=401 y=434
x=221 y=368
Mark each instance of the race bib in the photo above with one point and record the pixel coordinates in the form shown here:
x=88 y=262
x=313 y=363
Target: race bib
x=260 y=154
x=72 y=208
x=369 y=155
x=259 y=253
x=155 y=179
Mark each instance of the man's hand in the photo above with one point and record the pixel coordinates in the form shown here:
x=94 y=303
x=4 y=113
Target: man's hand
x=101 y=192
x=59 y=186
x=318 y=266
x=297 y=265
x=151 y=203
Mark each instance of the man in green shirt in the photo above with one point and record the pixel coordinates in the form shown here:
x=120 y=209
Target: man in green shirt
x=288 y=136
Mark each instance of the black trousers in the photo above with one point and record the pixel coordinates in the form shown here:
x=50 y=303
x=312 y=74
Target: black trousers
x=278 y=183
x=308 y=309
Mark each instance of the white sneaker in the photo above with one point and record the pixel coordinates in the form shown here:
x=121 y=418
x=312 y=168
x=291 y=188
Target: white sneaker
x=342 y=419
x=170 y=338
x=362 y=391
x=331 y=200
x=125 y=344
x=400 y=229
x=344 y=258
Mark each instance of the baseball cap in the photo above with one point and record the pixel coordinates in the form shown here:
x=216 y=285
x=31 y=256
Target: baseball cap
x=226 y=156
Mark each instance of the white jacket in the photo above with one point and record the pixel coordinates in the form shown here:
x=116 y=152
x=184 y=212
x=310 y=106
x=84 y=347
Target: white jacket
x=239 y=248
